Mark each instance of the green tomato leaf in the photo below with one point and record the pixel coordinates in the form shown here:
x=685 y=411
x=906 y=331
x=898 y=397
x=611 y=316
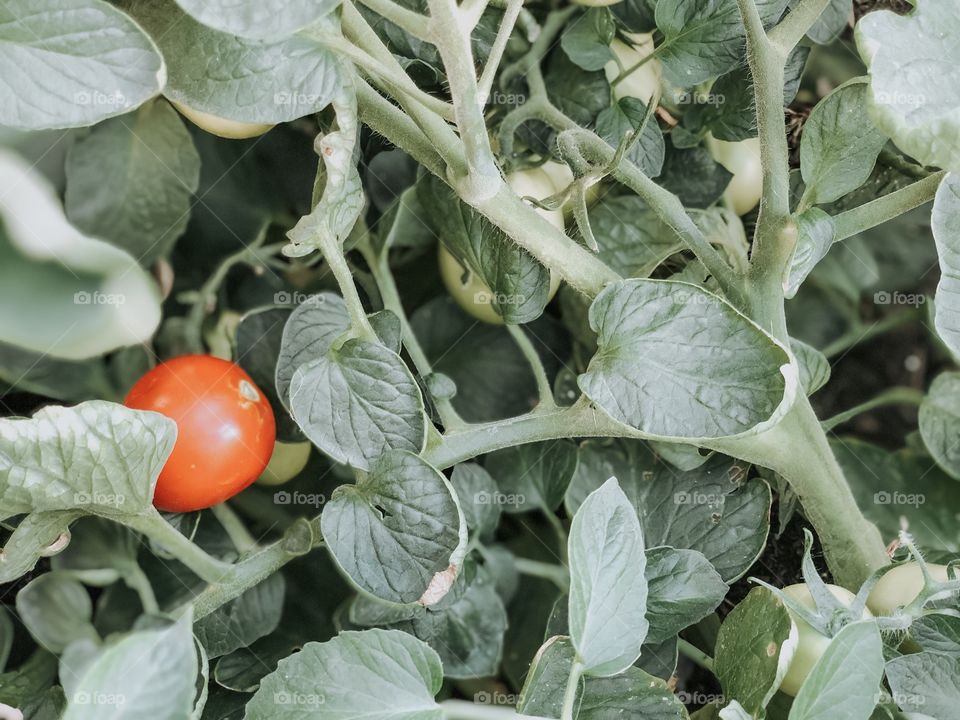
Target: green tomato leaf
x=910 y=60
x=70 y=63
x=29 y=542
x=632 y=239
x=937 y=632
x=374 y=674
x=231 y=77
x=814 y=240
x=608 y=590
x=945 y=223
x=832 y=21
x=358 y=402
x=753 y=650
x=633 y=693
x=940 y=422
x=131 y=181
x=87 y=297
x=243 y=620
x=682 y=589
x=840 y=144
x=57 y=611
x=478 y=494
x=398 y=533
x=709 y=509
x=519 y=284
x=927 y=683
x=693 y=175
x=100 y=552
x=147 y=675
x=814 y=366
x=587 y=39
x=98 y=457
x=308 y=335
x=258 y=19
x=845 y=680
x=626 y=115
x=534 y=475
x=678 y=362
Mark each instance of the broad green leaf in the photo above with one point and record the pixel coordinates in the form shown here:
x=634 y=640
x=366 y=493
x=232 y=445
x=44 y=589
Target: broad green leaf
x=940 y=422
x=814 y=240
x=69 y=63
x=626 y=115
x=839 y=145
x=98 y=456
x=632 y=239
x=21 y=687
x=534 y=475
x=466 y=633
x=911 y=60
x=679 y=362
x=945 y=223
x=937 y=632
x=258 y=19
x=518 y=282
x=832 y=21
x=6 y=637
x=374 y=674
x=587 y=39
x=57 y=611
x=342 y=200
x=86 y=297
x=694 y=175
x=701 y=39
x=29 y=542
x=709 y=509
x=64 y=380
x=845 y=681
x=243 y=620
x=890 y=487
x=100 y=552
x=244 y=80
x=814 y=366
x=357 y=402
x=608 y=590
x=259 y=341
x=682 y=589
x=131 y=181
x=633 y=694
x=148 y=675
x=309 y=333
x=399 y=532
x=478 y=494
x=927 y=683
x=753 y=651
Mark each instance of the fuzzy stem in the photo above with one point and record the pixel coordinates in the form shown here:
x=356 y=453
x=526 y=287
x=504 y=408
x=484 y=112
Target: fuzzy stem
x=530 y=353
x=892 y=396
x=879 y=211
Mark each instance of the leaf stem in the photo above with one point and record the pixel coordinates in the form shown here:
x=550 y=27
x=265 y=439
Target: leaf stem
x=507 y=23
x=241 y=538
x=876 y=212
x=859 y=334
x=788 y=34
x=413 y=22
x=547 y=402
x=203 y=565
x=465 y=710
x=691 y=651
x=891 y=396
x=568 y=711
x=135 y=578
x=333 y=254
x=557 y=574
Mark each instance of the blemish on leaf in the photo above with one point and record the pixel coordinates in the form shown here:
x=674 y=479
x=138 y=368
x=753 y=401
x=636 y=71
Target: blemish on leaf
x=439 y=586
x=771 y=649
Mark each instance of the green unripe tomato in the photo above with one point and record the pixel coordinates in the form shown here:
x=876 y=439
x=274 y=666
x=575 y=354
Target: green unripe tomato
x=900 y=586
x=743 y=160
x=222 y=127
x=287 y=461
x=469 y=291
x=644 y=82
x=810 y=644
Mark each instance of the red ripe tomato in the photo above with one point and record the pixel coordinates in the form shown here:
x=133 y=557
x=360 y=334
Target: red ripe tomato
x=225 y=429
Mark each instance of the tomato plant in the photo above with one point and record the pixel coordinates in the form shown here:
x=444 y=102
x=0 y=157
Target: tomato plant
x=225 y=429
x=469 y=360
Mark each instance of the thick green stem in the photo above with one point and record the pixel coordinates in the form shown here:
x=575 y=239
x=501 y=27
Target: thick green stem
x=333 y=254
x=569 y=710
x=695 y=654
x=203 y=565
x=241 y=538
x=557 y=574
x=788 y=34
x=510 y=15
x=413 y=22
